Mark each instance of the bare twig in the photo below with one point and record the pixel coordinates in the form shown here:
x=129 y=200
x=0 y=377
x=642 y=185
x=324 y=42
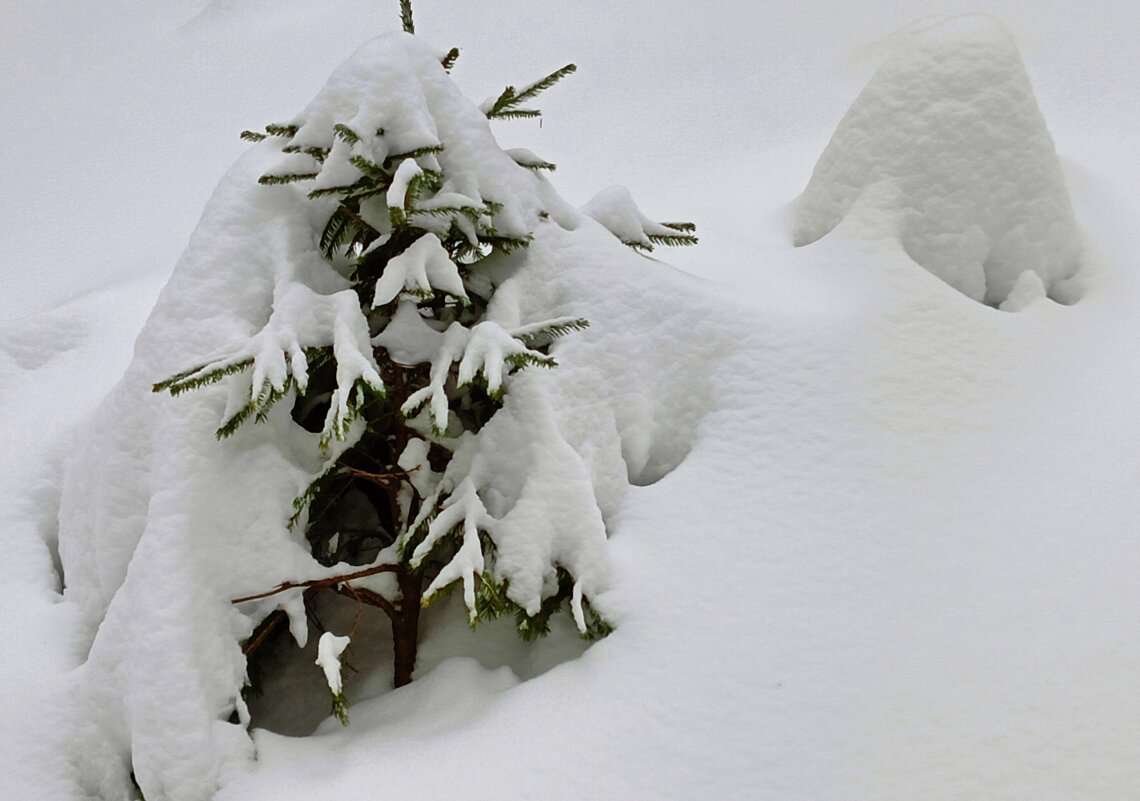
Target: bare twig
x=383 y=479
x=317 y=584
x=360 y=594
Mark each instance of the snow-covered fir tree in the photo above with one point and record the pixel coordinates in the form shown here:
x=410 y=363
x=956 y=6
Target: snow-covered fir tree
x=392 y=348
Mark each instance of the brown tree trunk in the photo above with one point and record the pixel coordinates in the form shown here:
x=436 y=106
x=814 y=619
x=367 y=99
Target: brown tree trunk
x=406 y=625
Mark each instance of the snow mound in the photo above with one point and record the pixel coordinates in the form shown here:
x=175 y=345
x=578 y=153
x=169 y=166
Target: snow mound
x=946 y=152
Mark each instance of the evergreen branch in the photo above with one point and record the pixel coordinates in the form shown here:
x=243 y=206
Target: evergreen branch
x=253 y=136
x=335 y=231
x=673 y=240
x=303 y=501
x=449 y=60
x=347 y=134
x=413 y=154
x=330 y=581
x=686 y=227
x=540 y=334
x=506 y=243
x=343 y=229
x=642 y=247
x=369 y=168
x=258 y=408
x=342 y=190
x=230 y=426
x=195 y=377
x=287 y=131
x=337 y=424
x=269 y=398
x=541 y=85
x=529 y=358
x=449 y=211
x=339 y=709
x=317 y=153
x=504 y=101
x=515 y=114
x=427 y=180
x=537 y=165
x=597 y=627
x=291 y=178
x=406 y=16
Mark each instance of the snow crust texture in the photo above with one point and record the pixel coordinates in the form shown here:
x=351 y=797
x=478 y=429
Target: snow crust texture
x=946 y=152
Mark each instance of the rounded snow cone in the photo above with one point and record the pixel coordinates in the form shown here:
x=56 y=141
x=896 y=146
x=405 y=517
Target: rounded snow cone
x=946 y=152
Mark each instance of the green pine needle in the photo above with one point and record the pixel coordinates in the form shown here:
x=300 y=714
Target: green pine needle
x=538 y=336
x=406 y=16
x=287 y=131
x=516 y=114
x=364 y=183
x=340 y=707
x=504 y=101
x=370 y=168
x=317 y=153
x=521 y=360
x=230 y=426
x=673 y=240
x=253 y=136
x=195 y=378
x=686 y=227
x=597 y=627
x=395 y=158
x=290 y=178
x=541 y=85
x=347 y=134
x=449 y=60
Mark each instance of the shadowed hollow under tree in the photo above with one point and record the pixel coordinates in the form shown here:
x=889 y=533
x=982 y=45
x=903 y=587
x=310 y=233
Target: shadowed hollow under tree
x=386 y=350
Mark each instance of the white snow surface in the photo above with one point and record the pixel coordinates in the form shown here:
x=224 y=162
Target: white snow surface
x=867 y=538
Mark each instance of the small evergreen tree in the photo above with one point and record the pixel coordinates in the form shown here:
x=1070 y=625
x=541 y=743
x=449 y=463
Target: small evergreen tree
x=388 y=353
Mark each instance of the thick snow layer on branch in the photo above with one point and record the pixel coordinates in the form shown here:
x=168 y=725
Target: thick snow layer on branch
x=946 y=152
x=421 y=269
x=329 y=649
x=393 y=97
x=615 y=209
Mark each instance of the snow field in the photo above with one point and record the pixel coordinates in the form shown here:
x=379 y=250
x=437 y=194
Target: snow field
x=890 y=553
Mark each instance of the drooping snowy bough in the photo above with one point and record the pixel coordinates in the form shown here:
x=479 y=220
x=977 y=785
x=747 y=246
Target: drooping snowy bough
x=946 y=152
x=351 y=324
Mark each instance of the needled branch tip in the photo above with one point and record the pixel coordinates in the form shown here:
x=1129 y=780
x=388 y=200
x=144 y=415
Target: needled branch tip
x=406 y=16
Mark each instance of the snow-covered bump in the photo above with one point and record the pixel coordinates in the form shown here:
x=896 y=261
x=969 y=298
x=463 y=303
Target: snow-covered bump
x=946 y=152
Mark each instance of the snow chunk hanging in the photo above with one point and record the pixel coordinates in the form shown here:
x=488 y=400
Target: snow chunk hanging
x=946 y=152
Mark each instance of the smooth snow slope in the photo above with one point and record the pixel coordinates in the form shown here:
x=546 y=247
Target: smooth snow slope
x=899 y=560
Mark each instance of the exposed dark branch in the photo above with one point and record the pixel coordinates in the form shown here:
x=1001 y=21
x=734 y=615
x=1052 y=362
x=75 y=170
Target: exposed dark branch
x=359 y=594
x=317 y=584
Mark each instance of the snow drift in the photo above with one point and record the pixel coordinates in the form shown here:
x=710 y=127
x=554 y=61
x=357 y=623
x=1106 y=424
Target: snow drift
x=946 y=152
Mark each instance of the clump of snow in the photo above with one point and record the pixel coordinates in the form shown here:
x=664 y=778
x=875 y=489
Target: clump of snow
x=946 y=152
x=329 y=649
x=615 y=208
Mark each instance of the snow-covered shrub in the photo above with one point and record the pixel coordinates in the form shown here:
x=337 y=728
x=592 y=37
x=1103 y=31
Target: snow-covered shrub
x=386 y=350
x=351 y=322
x=946 y=152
